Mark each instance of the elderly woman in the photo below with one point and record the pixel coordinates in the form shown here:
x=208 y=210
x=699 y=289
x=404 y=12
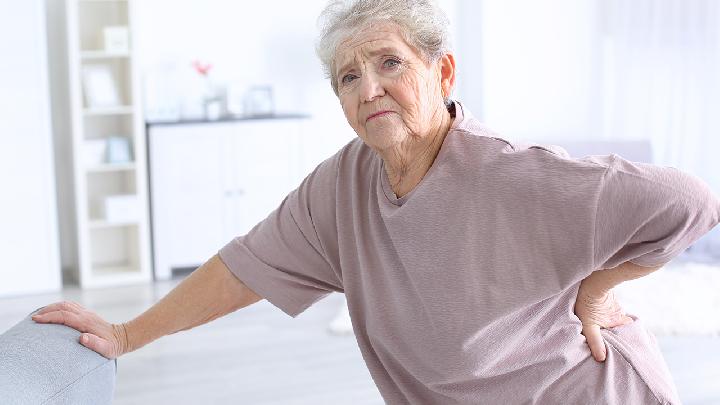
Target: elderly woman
x=476 y=270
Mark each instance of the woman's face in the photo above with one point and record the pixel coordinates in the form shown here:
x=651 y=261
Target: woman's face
x=388 y=92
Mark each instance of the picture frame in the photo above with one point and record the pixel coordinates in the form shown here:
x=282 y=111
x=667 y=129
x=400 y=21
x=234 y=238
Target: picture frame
x=119 y=150
x=94 y=152
x=116 y=39
x=121 y=208
x=258 y=101
x=99 y=86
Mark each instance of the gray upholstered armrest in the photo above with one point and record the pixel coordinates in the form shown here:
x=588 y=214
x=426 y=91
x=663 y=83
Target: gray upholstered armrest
x=46 y=364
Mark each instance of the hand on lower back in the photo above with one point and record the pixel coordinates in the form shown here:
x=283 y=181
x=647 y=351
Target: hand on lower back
x=105 y=338
x=597 y=308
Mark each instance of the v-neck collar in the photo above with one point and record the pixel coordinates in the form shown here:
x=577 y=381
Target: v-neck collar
x=387 y=191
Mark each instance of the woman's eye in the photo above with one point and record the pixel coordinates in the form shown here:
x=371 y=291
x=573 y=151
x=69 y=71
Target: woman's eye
x=390 y=63
x=348 y=78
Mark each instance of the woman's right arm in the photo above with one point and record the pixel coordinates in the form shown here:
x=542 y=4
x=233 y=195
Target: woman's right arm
x=208 y=293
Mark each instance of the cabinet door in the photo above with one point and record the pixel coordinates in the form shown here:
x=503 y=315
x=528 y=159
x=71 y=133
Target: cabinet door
x=28 y=222
x=265 y=166
x=187 y=195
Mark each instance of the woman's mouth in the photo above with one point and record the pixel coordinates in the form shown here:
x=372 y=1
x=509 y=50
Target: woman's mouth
x=378 y=114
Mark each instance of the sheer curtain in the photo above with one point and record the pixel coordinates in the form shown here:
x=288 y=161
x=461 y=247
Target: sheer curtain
x=661 y=81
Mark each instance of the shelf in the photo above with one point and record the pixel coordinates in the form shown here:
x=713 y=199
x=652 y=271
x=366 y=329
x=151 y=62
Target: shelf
x=103 y=224
x=115 y=275
x=105 y=270
x=100 y=54
x=94 y=16
x=110 y=167
x=119 y=110
x=101 y=126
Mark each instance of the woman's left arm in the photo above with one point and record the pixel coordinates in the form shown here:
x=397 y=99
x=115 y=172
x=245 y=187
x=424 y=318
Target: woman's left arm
x=604 y=280
x=646 y=215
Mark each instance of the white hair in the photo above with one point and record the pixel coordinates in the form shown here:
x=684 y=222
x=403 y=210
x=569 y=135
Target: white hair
x=422 y=24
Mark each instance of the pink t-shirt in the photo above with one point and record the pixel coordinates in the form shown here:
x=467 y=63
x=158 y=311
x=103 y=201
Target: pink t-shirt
x=462 y=291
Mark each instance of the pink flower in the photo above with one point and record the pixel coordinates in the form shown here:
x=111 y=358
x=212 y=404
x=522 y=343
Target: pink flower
x=202 y=68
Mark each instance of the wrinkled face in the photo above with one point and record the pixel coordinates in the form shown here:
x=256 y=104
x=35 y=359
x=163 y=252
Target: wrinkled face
x=387 y=91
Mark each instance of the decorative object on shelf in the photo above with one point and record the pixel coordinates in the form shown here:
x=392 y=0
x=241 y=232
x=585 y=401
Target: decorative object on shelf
x=213 y=109
x=119 y=150
x=235 y=98
x=214 y=97
x=94 y=152
x=99 y=86
x=121 y=208
x=258 y=101
x=116 y=39
x=202 y=68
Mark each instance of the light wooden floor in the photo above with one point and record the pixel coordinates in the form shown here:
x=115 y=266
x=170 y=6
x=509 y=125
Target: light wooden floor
x=259 y=355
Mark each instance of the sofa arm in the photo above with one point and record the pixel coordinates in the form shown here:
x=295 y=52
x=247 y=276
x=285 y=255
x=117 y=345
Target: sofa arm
x=46 y=364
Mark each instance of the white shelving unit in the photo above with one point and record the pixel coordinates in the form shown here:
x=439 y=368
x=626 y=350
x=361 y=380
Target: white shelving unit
x=108 y=250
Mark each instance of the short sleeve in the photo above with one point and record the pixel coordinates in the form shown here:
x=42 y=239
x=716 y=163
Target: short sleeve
x=283 y=258
x=649 y=214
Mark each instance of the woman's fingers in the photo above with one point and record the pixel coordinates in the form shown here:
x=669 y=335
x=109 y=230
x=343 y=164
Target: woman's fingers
x=618 y=320
x=595 y=341
x=69 y=306
x=96 y=333
x=62 y=317
x=96 y=343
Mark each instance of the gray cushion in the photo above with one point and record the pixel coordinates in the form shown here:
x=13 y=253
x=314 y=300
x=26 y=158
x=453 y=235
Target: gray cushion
x=46 y=364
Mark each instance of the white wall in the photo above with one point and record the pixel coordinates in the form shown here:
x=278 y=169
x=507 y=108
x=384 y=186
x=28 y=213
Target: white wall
x=29 y=258
x=248 y=43
x=61 y=117
x=529 y=66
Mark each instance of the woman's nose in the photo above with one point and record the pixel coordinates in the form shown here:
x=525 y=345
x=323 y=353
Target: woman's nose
x=371 y=88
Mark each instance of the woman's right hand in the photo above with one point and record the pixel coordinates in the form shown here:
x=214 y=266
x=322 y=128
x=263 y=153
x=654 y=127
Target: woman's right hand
x=109 y=340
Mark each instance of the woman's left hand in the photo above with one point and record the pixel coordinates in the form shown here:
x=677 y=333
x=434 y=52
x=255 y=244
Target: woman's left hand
x=597 y=308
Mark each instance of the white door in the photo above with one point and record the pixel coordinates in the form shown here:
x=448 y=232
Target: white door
x=187 y=195
x=29 y=251
x=264 y=165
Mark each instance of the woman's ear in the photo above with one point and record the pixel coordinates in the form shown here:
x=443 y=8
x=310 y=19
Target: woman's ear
x=447 y=74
